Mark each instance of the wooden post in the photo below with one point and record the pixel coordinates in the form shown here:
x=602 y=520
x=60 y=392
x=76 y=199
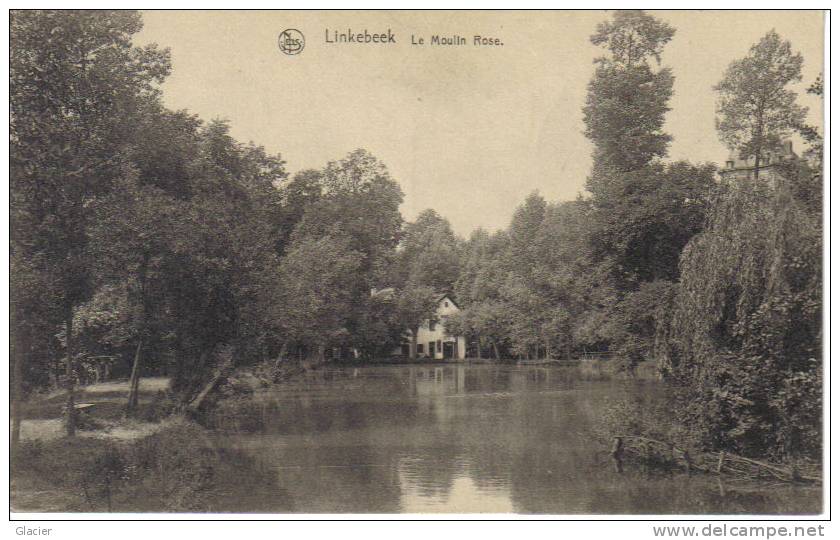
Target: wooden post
x=646 y=450
x=794 y=474
x=687 y=459
x=617 y=453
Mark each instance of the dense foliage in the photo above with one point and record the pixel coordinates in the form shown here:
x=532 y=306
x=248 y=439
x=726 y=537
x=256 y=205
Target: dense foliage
x=745 y=339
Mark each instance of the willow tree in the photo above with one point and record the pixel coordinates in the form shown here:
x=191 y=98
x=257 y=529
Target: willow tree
x=755 y=109
x=745 y=339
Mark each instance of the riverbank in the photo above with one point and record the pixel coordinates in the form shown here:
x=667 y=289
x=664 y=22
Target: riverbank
x=178 y=468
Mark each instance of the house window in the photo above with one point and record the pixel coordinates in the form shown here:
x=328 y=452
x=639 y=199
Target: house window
x=432 y=325
x=730 y=164
x=439 y=346
x=445 y=304
x=419 y=348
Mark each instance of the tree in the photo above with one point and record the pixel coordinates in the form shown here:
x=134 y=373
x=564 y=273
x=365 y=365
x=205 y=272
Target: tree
x=642 y=211
x=429 y=253
x=220 y=286
x=76 y=84
x=359 y=205
x=627 y=100
x=304 y=190
x=755 y=110
x=811 y=134
x=318 y=277
x=649 y=218
x=524 y=227
x=633 y=37
x=360 y=202
x=132 y=238
x=744 y=343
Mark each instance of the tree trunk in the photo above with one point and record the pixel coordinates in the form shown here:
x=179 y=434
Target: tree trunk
x=17 y=383
x=70 y=406
x=134 y=380
x=412 y=351
x=496 y=350
x=760 y=143
x=478 y=345
x=547 y=350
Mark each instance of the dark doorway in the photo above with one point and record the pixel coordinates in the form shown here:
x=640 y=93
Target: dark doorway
x=448 y=349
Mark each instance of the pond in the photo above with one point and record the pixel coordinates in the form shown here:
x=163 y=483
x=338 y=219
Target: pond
x=466 y=438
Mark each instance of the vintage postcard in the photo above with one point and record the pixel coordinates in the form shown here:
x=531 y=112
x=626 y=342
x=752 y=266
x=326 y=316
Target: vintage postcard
x=417 y=262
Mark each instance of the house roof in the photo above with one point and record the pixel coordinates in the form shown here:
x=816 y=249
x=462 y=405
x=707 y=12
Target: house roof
x=447 y=295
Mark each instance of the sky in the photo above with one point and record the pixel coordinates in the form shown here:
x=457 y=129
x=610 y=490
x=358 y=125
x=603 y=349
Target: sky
x=467 y=130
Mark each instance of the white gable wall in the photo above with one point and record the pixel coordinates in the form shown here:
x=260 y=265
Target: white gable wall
x=431 y=333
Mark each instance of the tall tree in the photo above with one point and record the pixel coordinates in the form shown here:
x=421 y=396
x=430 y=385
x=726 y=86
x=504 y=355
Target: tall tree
x=755 y=109
x=76 y=84
x=642 y=211
x=627 y=98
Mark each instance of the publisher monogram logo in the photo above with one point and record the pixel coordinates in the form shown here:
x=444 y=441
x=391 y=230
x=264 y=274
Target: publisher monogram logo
x=291 y=41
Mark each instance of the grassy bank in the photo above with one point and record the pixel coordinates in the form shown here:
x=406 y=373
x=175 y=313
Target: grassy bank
x=152 y=462
x=176 y=469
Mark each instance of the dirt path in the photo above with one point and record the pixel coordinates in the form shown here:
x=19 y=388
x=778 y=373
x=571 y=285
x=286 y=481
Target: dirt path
x=42 y=415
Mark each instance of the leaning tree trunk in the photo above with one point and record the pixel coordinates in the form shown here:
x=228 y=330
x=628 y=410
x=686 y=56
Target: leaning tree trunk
x=225 y=368
x=70 y=406
x=134 y=380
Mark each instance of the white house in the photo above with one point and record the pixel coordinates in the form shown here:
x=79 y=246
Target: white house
x=432 y=339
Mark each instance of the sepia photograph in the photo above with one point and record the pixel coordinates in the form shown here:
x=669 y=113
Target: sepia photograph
x=417 y=263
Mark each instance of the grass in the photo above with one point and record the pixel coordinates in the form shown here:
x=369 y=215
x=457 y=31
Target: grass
x=109 y=397
x=176 y=469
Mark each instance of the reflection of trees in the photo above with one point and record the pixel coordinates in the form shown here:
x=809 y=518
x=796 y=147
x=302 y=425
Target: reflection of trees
x=341 y=444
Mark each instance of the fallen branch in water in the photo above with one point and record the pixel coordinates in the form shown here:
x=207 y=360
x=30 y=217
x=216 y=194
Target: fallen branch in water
x=722 y=463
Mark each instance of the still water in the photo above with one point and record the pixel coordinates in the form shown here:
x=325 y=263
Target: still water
x=465 y=439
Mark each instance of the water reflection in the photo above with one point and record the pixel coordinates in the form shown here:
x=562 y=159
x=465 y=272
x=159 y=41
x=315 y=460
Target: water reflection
x=460 y=438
